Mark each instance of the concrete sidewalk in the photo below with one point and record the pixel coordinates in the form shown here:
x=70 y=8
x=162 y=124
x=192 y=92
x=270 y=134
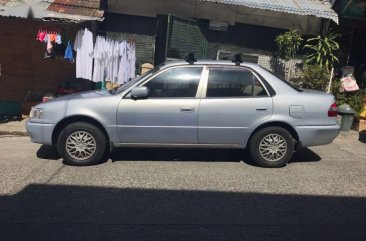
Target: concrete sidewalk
x=16 y=128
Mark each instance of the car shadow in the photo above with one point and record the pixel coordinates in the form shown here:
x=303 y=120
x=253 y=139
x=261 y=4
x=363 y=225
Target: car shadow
x=65 y=212
x=201 y=155
x=48 y=153
x=180 y=154
x=305 y=155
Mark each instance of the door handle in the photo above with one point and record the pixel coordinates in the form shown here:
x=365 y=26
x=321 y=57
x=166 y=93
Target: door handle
x=187 y=109
x=261 y=109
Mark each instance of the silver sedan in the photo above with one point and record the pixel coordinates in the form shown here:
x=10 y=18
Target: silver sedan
x=204 y=104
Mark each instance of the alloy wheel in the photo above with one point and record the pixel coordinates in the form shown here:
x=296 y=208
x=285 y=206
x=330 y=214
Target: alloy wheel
x=273 y=147
x=80 y=145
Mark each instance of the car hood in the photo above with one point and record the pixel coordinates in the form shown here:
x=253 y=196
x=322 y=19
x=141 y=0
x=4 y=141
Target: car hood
x=83 y=95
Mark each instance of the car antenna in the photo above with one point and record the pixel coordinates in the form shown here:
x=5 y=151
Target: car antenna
x=237 y=59
x=190 y=58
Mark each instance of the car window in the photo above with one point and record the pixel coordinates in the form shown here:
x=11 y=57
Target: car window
x=175 y=83
x=132 y=82
x=233 y=82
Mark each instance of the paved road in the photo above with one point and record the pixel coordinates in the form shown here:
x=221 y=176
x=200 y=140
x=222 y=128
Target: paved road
x=183 y=195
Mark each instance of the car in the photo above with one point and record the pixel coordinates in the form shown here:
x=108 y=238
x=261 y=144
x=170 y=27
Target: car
x=189 y=104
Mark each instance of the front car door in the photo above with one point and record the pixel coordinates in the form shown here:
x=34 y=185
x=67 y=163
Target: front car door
x=170 y=113
x=234 y=102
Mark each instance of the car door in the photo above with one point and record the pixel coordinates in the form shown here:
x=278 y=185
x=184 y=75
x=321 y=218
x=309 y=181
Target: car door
x=170 y=113
x=233 y=102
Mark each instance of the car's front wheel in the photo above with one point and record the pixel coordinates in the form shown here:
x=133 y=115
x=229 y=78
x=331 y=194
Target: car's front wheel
x=272 y=147
x=81 y=144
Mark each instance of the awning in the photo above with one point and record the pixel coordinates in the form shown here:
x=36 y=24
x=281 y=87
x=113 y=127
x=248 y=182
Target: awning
x=74 y=10
x=318 y=8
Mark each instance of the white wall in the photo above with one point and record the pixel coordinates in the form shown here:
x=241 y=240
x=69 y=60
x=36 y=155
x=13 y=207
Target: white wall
x=217 y=12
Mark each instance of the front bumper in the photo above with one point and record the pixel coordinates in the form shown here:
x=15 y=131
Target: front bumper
x=40 y=132
x=317 y=135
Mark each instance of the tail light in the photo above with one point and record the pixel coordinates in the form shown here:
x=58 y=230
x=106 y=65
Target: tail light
x=333 y=110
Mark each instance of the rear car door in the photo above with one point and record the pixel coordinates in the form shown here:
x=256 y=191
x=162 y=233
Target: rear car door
x=233 y=102
x=170 y=113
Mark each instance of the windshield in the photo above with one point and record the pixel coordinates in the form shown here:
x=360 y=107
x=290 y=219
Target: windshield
x=132 y=82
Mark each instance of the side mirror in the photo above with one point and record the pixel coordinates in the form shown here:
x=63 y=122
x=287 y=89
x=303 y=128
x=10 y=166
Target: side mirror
x=139 y=93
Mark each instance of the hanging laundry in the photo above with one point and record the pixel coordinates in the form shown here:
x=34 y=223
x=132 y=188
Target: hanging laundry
x=45 y=39
x=41 y=35
x=69 y=55
x=109 y=60
x=52 y=37
x=84 y=47
x=50 y=53
x=49 y=45
x=58 y=39
x=131 y=59
x=122 y=71
x=99 y=59
x=114 y=61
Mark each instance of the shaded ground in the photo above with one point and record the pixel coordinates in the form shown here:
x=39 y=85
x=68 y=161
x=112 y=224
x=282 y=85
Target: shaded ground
x=159 y=194
x=59 y=212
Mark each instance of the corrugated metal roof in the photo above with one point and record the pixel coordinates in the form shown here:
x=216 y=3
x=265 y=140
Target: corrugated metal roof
x=318 y=8
x=75 y=10
x=81 y=8
x=80 y=3
x=13 y=8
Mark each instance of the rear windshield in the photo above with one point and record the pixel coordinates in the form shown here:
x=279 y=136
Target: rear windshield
x=285 y=81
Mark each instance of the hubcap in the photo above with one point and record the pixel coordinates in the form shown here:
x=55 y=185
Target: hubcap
x=80 y=145
x=273 y=147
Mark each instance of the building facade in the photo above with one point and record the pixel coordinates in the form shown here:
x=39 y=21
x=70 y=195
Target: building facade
x=161 y=29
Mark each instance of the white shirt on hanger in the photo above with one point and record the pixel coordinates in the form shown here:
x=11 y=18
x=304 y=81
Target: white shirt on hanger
x=115 y=61
x=109 y=60
x=132 y=60
x=99 y=61
x=122 y=71
x=84 y=47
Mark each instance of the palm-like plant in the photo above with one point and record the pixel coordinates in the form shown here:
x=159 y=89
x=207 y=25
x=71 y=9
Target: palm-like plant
x=323 y=50
x=289 y=43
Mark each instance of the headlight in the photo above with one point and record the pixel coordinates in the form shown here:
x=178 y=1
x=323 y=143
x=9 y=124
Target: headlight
x=36 y=113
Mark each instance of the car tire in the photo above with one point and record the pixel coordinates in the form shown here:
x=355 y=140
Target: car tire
x=272 y=147
x=82 y=144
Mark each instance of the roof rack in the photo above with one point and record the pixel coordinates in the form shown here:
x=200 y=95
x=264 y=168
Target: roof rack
x=190 y=58
x=237 y=59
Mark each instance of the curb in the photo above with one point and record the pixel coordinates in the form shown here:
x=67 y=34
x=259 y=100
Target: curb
x=13 y=133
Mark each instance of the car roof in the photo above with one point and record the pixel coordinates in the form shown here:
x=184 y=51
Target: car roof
x=207 y=62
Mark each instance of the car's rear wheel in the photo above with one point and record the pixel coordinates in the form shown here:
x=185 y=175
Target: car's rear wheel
x=272 y=147
x=81 y=144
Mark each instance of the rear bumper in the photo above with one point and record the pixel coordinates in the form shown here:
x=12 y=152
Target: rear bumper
x=39 y=132
x=317 y=135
